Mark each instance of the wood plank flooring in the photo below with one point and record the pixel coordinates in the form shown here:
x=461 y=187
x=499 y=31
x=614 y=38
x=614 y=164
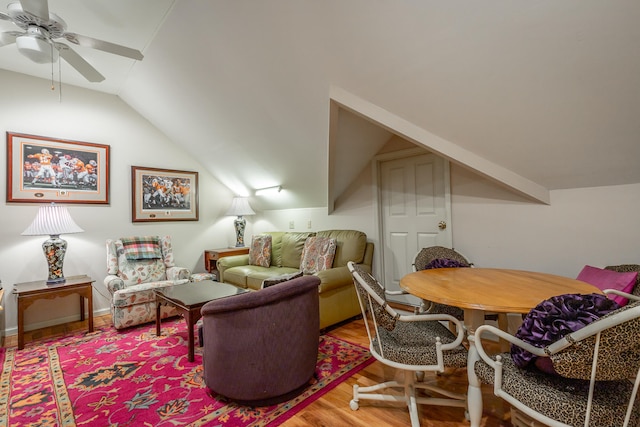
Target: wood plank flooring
x=332 y=409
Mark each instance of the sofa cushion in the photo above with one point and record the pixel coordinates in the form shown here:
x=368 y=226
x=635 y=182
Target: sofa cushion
x=280 y=279
x=317 y=254
x=259 y=275
x=138 y=294
x=292 y=246
x=351 y=245
x=260 y=250
x=276 y=247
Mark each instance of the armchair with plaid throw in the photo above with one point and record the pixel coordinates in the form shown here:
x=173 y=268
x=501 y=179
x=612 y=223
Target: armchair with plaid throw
x=135 y=267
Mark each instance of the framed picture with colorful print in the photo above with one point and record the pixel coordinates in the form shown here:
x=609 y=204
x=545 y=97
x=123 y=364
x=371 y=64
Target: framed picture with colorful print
x=44 y=169
x=163 y=195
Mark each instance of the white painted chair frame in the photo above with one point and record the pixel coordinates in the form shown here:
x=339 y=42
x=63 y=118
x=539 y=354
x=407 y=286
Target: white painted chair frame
x=412 y=372
x=583 y=333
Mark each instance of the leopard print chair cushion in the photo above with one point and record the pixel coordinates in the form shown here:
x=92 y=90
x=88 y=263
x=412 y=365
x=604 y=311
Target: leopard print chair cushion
x=414 y=343
x=411 y=343
x=563 y=399
x=618 y=356
x=563 y=396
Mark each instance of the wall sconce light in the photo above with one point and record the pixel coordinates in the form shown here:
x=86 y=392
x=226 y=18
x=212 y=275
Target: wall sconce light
x=269 y=190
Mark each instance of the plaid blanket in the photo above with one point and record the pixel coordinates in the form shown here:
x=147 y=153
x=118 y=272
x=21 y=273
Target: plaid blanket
x=141 y=247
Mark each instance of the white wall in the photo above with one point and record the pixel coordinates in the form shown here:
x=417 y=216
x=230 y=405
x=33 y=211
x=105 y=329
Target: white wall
x=492 y=226
x=29 y=106
x=496 y=228
x=598 y=226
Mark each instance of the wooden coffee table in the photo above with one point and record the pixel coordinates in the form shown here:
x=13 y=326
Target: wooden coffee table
x=188 y=299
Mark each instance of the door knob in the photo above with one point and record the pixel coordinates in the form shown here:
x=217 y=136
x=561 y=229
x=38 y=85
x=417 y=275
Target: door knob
x=442 y=225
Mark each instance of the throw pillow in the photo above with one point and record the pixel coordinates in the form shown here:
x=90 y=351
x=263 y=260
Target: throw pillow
x=260 y=250
x=607 y=279
x=136 y=248
x=554 y=318
x=292 y=246
x=317 y=254
x=280 y=279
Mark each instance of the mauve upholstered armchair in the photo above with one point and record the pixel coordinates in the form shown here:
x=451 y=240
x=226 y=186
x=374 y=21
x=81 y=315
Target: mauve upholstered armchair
x=261 y=348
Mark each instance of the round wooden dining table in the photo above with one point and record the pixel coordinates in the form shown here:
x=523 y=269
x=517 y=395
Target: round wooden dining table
x=481 y=290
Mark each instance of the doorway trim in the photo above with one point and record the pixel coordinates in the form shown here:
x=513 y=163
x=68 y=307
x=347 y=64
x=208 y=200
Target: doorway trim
x=377 y=195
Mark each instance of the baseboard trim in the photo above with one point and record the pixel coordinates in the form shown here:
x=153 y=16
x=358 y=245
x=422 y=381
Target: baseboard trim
x=53 y=322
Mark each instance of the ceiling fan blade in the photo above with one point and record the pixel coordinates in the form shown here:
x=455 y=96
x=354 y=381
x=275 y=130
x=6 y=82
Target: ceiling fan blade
x=39 y=8
x=8 y=37
x=77 y=62
x=5 y=17
x=116 y=49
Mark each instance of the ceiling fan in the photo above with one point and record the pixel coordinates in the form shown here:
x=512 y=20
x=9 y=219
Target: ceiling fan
x=42 y=27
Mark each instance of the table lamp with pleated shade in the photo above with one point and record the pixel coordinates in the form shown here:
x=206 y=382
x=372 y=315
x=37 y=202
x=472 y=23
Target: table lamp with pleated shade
x=53 y=220
x=240 y=207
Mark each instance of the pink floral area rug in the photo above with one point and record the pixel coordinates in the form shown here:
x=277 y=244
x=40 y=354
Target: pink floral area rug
x=134 y=378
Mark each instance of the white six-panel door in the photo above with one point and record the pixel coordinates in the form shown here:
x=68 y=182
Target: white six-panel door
x=414 y=212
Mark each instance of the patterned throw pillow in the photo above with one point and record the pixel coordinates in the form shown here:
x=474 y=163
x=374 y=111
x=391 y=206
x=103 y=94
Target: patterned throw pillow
x=141 y=247
x=260 y=250
x=280 y=279
x=317 y=254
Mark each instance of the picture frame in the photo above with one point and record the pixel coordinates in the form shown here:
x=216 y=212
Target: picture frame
x=163 y=195
x=44 y=169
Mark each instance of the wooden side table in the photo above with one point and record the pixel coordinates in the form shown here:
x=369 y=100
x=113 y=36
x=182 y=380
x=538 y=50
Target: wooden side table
x=29 y=292
x=211 y=257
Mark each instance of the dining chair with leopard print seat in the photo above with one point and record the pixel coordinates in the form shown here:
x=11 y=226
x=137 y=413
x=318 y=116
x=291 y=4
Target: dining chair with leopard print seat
x=591 y=376
x=412 y=343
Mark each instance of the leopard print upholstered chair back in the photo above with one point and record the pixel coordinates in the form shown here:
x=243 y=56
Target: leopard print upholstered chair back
x=367 y=286
x=432 y=253
x=607 y=349
x=412 y=343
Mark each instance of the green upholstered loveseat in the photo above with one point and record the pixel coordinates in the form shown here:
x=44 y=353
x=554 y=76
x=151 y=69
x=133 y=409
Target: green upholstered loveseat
x=338 y=299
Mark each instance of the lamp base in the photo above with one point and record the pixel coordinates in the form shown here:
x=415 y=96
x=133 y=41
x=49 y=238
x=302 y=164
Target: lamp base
x=239 y=224
x=54 y=250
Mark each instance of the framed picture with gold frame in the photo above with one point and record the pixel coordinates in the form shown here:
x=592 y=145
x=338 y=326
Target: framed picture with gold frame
x=163 y=195
x=44 y=169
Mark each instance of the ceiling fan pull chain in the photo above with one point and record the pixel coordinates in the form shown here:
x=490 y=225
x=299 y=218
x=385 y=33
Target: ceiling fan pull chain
x=52 y=86
x=59 y=81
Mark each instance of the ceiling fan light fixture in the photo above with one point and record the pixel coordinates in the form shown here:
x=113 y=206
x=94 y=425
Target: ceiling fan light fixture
x=37 y=48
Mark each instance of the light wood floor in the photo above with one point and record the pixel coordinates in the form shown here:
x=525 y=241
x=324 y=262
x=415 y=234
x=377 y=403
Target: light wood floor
x=332 y=409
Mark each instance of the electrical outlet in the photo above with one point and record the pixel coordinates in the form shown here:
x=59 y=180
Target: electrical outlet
x=309 y=224
x=291 y=225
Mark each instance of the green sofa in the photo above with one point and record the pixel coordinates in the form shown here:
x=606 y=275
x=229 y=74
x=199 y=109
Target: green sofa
x=338 y=299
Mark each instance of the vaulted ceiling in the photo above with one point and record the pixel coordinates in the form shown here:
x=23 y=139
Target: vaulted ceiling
x=547 y=90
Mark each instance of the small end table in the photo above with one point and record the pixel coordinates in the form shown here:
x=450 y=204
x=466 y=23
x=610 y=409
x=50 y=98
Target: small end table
x=29 y=292
x=211 y=257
